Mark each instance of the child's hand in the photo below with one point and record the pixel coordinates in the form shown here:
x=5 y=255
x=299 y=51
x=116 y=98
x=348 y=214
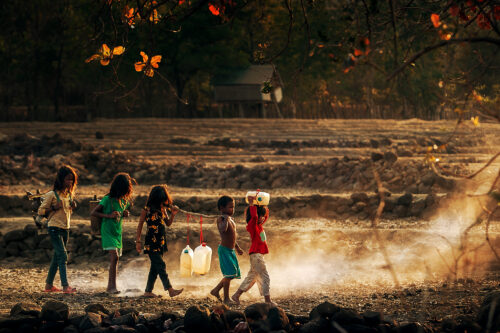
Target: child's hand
x=174 y=209
x=138 y=247
x=126 y=213
x=73 y=204
x=239 y=251
x=114 y=215
x=251 y=199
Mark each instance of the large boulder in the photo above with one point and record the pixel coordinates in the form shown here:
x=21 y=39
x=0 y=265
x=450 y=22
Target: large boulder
x=96 y=308
x=30 y=230
x=55 y=311
x=324 y=310
x=29 y=309
x=277 y=319
x=197 y=319
x=89 y=321
x=489 y=312
x=257 y=311
x=129 y=319
x=14 y=236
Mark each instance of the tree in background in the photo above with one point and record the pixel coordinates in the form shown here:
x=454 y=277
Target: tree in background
x=337 y=58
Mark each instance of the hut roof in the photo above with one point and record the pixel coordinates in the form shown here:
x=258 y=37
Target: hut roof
x=253 y=75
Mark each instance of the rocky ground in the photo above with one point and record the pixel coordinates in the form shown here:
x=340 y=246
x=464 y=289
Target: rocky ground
x=322 y=246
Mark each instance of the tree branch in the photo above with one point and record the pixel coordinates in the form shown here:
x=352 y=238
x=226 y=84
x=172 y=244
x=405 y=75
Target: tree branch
x=441 y=44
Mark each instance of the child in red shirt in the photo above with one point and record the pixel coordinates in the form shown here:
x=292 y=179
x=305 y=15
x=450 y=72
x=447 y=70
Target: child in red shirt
x=256 y=216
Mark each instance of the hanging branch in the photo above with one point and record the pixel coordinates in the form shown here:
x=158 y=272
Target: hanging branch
x=378 y=213
x=441 y=44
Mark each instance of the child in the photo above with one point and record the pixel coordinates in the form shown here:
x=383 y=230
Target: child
x=256 y=216
x=59 y=204
x=227 y=256
x=157 y=219
x=112 y=209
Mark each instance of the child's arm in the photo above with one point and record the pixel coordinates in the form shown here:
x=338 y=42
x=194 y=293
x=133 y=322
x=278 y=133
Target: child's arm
x=222 y=224
x=175 y=210
x=97 y=212
x=142 y=218
x=238 y=249
x=46 y=206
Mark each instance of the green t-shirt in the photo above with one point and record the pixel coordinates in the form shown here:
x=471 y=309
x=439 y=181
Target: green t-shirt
x=111 y=229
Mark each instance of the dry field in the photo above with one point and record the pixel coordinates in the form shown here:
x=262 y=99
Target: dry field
x=311 y=260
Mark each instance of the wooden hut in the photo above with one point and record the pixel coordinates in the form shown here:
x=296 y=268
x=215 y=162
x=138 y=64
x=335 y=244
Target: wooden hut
x=251 y=91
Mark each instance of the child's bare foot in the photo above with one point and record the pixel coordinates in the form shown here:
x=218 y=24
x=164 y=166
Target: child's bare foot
x=150 y=295
x=236 y=297
x=215 y=293
x=228 y=302
x=174 y=292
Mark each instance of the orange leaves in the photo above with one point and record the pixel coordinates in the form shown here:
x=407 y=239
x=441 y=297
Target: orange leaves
x=435 y=20
x=444 y=35
x=352 y=58
x=147 y=65
x=358 y=53
x=219 y=7
x=477 y=97
x=129 y=15
x=105 y=54
x=214 y=9
x=475 y=121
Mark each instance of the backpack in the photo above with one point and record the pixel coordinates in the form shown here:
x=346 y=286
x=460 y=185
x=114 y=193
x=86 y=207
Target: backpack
x=95 y=222
x=41 y=221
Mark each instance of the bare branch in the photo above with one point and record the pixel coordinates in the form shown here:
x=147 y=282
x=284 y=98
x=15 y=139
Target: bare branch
x=441 y=44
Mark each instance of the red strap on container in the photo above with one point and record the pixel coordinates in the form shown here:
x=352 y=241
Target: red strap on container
x=201 y=230
x=187 y=218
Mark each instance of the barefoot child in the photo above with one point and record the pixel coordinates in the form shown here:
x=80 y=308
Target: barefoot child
x=227 y=256
x=156 y=217
x=256 y=216
x=59 y=204
x=112 y=209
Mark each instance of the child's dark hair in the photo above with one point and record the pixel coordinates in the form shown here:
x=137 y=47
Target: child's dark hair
x=223 y=201
x=122 y=186
x=61 y=174
x=262 y=211
x=158 y=195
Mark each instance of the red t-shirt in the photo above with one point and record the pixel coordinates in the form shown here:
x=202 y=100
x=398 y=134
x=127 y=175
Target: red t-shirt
x=257 y=233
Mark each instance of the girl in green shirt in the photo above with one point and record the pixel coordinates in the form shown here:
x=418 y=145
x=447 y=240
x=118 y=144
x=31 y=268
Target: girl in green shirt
x=112 y=209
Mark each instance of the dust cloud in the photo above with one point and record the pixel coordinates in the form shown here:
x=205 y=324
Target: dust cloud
x=320 y=256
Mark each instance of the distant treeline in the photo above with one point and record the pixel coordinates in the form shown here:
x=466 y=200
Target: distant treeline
x=335 y=59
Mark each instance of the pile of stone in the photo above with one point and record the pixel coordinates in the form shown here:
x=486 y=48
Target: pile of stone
x=19 y=166
x=55 y=316
x=358 y=204
x=34 y=245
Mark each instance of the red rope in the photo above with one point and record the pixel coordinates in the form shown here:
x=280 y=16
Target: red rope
x=187 y=218
x=201 y=229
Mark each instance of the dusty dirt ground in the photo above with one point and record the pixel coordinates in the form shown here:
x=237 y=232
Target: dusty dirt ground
x=310 y=260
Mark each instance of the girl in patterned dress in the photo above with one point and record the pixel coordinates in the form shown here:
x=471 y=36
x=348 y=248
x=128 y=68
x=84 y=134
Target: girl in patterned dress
x=157 y=219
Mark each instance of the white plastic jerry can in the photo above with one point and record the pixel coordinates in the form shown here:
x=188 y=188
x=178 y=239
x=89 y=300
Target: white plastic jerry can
x=202 y=258
x=187 y=262
x=261 y=198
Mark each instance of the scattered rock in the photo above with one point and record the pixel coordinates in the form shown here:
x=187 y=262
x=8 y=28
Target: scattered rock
x=55 y=311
